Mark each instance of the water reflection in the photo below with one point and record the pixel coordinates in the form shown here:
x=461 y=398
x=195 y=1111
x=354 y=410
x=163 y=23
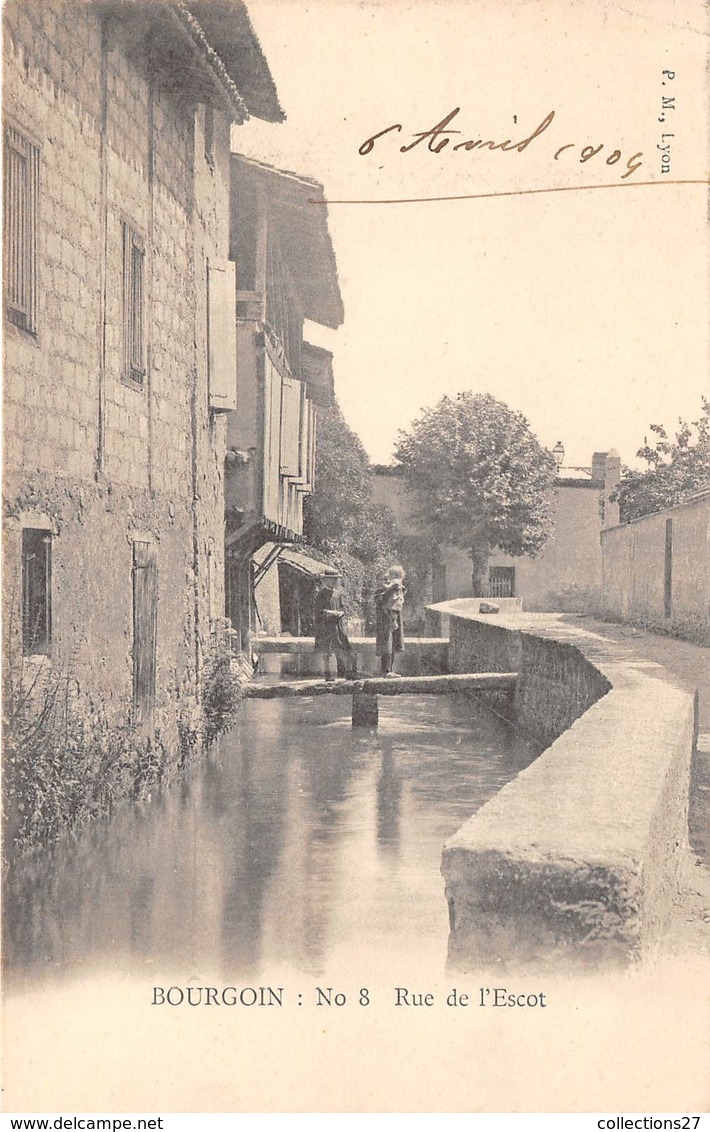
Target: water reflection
x=297 y=837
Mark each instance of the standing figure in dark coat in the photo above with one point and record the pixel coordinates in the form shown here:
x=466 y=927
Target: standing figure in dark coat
x=330 y=635
x=389 y=603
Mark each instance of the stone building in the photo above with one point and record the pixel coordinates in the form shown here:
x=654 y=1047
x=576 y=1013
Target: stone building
x=565 y=577
x=286 y=275
x=119 y=337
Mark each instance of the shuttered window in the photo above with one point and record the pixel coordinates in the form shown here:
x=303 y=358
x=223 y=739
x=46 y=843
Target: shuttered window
x=36 y=591
x=222 y=335
x=312 y=426
x=133 y=305
x=20 y=217
x=290 y=427
x=303 y=437
x=273 y=387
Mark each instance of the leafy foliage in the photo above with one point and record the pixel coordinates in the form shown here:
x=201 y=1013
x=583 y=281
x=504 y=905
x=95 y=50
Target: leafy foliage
x=418 y=554
x=341 y=522
x=65 y=763
x=480 y=476
x=675 y=469
x=222 y=694
x=342 y=487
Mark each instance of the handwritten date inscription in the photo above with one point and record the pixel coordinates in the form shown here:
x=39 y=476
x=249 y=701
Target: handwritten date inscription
x=438 y=137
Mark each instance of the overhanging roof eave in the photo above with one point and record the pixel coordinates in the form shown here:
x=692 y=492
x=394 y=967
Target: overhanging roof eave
x=303 y=234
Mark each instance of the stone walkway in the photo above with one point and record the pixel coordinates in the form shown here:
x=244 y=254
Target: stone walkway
x=690 y=666
x=689 y=663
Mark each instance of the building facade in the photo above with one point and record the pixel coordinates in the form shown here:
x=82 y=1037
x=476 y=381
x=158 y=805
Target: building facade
x=565 y=577
x=120 y=362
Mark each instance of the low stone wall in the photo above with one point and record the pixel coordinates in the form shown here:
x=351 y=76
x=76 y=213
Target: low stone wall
x=436 y=622
x=577 y=859
x=556 y=683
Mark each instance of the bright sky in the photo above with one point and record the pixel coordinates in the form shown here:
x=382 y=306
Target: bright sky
x=588 y=311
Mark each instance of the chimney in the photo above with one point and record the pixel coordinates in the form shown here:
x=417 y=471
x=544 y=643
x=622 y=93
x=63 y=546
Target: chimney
x=598 y=466
x=612 y=476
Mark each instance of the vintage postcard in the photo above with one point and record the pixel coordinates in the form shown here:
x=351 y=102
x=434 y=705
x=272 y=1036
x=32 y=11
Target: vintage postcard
x=356 y=589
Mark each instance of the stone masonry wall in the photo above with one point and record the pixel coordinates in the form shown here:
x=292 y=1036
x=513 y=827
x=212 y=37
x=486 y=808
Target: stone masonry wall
x=556 y=684
x=105 y=466
x=211 y=242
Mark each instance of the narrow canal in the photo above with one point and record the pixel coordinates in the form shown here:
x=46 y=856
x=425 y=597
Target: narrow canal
x=298 y=844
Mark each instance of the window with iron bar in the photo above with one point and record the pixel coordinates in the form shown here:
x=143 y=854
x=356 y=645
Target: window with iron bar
x=133 y=305
x=20 y=218
x=501 y=581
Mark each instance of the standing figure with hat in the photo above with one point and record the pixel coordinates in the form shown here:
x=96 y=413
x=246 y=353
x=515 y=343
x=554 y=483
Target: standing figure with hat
x=330 y=635
x=389 y=603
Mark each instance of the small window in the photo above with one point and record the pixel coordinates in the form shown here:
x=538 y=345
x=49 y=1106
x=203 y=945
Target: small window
x=36 y=591
x=20 y=217
x=133 y=305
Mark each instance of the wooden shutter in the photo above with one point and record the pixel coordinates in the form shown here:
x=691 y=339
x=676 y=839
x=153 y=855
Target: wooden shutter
x=272 y=437
x=303 y=437
x=290 y=427
x=312 y=428
x=21 y=202
x=222 y=335
x=145 y=629
x=133 y=305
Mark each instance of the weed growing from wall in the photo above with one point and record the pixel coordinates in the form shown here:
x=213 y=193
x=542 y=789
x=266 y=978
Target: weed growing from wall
x=64 y=762
x=225 y=678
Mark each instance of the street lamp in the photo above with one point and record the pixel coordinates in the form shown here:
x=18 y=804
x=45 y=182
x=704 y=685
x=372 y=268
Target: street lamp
x=559 y=453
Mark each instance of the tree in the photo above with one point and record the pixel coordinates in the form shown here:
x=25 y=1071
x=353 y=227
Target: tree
x=342 y=486
x=340 y=520
x=675 y=469
x=481 y=478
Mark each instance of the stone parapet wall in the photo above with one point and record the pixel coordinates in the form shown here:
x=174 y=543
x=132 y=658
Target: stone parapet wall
x=490 y=649
x=556 y=683
x=577 y=859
